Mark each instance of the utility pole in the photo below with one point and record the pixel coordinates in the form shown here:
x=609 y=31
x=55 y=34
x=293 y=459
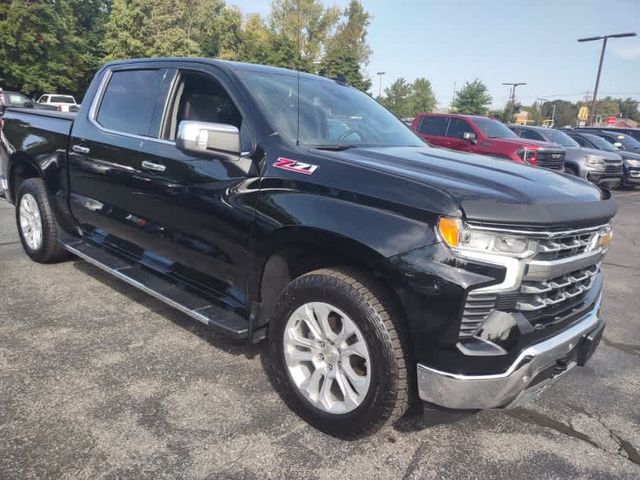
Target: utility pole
x=541 y=102
x=380 y=74
x=604 y=39
x=512 y=97
x=453 y=98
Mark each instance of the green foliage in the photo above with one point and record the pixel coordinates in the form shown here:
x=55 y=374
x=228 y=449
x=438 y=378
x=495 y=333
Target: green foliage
x=408 y=99
x=41 y=49
x=158 y=28
x=422 y=98
x=56 y=45
x=397 y=98
x=472 y=99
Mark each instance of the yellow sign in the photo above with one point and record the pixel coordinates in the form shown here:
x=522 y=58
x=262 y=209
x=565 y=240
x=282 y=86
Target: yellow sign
x=583 y=114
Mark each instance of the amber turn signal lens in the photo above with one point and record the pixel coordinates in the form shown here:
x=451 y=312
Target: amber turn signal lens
x=449 y=229
x=606 y=239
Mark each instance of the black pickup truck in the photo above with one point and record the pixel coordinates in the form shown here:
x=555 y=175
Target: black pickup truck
x=272 y=204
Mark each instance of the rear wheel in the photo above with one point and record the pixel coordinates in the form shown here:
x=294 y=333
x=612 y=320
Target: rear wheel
x=37 y=227
x=339 y=352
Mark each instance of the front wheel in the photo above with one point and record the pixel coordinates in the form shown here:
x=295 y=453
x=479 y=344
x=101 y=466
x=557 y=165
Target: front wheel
x=339 y=352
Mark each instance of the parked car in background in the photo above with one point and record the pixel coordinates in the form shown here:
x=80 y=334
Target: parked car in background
x=619 y=140
x=486 y=136
x=64 y=103
x=632 y=132
x=19 y=100
x=598 y=166
x=630 y=160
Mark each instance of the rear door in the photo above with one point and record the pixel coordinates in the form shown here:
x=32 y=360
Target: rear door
x=109 y=170
x=434 y=130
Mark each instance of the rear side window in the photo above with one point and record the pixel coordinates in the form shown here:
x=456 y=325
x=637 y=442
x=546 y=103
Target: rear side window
x=129 y=101
x=433 y=126
x=458 y=127
x=581 y=141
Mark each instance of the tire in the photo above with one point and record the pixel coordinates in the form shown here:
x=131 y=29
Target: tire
x=32 y=197
x=349 y=296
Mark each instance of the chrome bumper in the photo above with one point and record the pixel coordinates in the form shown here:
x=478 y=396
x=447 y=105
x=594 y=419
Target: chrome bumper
x=516 y=384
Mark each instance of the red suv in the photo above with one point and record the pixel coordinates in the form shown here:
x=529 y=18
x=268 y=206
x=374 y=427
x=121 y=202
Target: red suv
x=476 y=134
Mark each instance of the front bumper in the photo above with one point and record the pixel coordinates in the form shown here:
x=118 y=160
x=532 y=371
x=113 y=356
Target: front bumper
x=536 y=368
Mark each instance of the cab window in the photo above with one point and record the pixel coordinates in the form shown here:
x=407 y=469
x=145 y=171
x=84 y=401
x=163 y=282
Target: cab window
x=433 y=126
x=200 y=97
x=458 y=127
x=129 y=101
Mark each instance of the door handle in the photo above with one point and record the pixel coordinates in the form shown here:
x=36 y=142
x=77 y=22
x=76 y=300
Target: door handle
x=80 y=149
x=154 y=167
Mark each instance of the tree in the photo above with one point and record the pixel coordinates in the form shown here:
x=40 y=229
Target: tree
x=629 y=108
x=347 y=51
x=397 y=98
x=347 y=65
x=472 y=99
x=143 y=28
x=421 y=98
x=41 y=49
x=305 y=22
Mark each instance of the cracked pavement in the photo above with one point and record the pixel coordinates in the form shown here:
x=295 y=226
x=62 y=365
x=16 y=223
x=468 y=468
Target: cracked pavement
x=98 y=380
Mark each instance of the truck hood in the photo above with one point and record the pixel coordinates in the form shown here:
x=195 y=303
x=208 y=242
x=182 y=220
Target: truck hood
x=490 y=190
x=580 y=152
x=525 y=142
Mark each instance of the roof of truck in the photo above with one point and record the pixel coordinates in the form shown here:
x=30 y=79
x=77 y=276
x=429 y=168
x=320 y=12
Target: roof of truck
x=223 y=64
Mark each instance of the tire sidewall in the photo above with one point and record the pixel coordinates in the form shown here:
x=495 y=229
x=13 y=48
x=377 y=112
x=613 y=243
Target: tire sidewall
x=35 y=188
x=380 y=398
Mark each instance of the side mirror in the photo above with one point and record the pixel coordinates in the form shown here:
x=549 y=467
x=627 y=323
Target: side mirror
x=618 y=145
x=470 y=136
x=211 y=139
x=28 y=104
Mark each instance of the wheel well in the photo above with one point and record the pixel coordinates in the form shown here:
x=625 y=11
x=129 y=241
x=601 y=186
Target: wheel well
x=19 y=173
x=295 y=260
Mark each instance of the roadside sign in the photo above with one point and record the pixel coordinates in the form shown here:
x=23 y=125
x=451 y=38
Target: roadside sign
x=583 y=114
x=611 y=120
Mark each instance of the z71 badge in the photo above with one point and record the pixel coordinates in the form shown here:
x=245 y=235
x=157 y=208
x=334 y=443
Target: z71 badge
x=295 y=166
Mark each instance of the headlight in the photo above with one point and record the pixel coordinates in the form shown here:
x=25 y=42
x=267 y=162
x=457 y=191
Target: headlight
x=632 y=163
x=594 y=161
x=528 y=155
x=460 y=237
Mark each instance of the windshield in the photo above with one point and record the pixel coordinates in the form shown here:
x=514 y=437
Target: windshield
x=61 y=99
x=493 y=128
x=599 y=142
x=629 y=143
x=561 y=138
x=15 y=98
x=330 y=114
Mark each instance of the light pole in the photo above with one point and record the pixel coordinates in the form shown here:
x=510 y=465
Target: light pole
x=604 y=39
x=512 y=97
x=380 y=74
x=542 y=101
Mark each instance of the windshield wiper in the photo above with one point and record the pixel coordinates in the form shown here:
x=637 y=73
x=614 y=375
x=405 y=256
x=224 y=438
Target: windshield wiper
x=338 y=147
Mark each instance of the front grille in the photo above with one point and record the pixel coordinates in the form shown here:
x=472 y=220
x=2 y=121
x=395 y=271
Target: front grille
x=551 y=160
x=613 y=168
x=555 y=282
x=539 y=295
x=564 y=246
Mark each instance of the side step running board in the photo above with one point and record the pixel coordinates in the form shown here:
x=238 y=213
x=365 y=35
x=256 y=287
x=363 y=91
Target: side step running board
x=171 y=293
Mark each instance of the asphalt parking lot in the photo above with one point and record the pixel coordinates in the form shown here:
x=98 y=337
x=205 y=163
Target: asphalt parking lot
x=98 y=380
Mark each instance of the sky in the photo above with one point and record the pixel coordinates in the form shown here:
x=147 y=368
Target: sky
x=535 y=41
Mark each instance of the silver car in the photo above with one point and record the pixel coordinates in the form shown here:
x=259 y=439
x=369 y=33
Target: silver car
x=598 y=166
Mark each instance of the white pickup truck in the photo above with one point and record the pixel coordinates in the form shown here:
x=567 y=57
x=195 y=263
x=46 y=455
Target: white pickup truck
x=64 y=103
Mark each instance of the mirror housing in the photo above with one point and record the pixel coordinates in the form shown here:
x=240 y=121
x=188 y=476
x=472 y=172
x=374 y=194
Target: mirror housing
x=470 y=136
x=210 y=139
